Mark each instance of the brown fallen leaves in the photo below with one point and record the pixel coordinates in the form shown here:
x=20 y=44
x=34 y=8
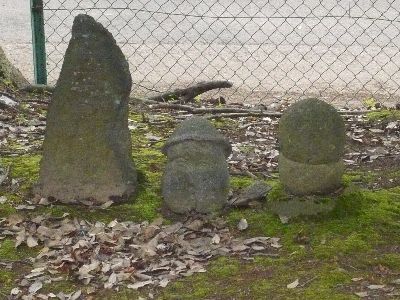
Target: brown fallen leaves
x=133 y=255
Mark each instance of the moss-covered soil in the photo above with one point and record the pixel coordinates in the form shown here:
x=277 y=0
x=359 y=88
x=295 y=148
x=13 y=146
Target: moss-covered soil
x=347 y=252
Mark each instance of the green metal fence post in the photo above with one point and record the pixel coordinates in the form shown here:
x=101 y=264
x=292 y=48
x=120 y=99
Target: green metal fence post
x=38 y=42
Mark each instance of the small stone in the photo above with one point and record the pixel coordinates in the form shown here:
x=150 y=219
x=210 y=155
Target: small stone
x=255 y=192
x=361 y=294
x=242 y=225
x=284 y=219
x=15 y=291
x=3 y=199
x=216 y=239
x=87 y=146
x=196 y=176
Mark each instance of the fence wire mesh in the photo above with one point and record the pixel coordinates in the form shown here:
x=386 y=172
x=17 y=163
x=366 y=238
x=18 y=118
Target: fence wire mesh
x=341 y=51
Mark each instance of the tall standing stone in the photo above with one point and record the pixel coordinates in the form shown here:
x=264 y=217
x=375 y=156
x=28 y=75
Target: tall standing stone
x=196 y=176
x=312 y=136
x=87 y=146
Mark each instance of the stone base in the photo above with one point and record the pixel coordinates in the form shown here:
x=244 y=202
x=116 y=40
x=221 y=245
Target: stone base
x=305 y=179
x=301 y=207
x=72 y=193
x=196 y=184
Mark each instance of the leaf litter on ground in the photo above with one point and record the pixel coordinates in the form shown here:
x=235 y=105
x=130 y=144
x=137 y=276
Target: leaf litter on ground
x=123 y=254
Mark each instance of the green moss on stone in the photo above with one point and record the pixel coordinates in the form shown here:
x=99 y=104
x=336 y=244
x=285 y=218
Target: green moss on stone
x=312 y=132
x=223 y=123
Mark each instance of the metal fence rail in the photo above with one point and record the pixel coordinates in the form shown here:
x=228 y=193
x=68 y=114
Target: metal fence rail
x=342 y=51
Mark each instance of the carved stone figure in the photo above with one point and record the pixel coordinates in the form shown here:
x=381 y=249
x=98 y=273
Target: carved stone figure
x=312 y=136
x=196 y=177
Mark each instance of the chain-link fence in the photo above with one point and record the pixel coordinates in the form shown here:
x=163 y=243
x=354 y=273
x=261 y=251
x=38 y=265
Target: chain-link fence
x=341 y=51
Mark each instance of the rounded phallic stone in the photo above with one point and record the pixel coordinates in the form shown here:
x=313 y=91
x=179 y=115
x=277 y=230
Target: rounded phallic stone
x=312 y=135
x=87 y=146
x=196 y=176
x=311 y=131
x=306 y=179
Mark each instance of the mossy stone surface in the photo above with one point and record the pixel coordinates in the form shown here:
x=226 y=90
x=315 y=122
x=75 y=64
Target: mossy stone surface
x=301 y=207
x=312 y=136
x=196 y=176
x=313 y=132
x=306 y=179
x=197 y=129
x=87 y=146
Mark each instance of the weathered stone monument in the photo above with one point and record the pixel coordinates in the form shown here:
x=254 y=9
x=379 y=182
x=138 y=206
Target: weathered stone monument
x=312 y=135
x=87 y=146
x=196 y=177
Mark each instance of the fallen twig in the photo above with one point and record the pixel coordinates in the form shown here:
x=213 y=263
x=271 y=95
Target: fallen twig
x=245 y=114
x=37 y=88
x=202 y=110
x=21 y=261
x=227 y=112
x=251 y=124
x=355 y=112
x=188 y=94
x=308 y=281
x=39 y=101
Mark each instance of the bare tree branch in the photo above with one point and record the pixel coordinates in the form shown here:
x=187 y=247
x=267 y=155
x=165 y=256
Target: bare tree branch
x=188 y=94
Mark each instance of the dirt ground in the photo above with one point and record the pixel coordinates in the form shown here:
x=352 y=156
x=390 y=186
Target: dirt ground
x=350 y=253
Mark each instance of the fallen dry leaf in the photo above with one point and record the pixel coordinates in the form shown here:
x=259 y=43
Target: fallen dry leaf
x=138 y=285
x=293 y=285
x=31 y=242
x=361 y=294
x=375 y=286
x=36 y=286
x=113 y=255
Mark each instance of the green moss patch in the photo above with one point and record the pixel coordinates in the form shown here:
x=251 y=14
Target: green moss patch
x=264 y=278
x=383 y=115
x=7 y=278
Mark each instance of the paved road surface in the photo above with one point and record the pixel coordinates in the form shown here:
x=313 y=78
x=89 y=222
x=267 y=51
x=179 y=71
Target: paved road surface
x=284 y=47
x=15 y=33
